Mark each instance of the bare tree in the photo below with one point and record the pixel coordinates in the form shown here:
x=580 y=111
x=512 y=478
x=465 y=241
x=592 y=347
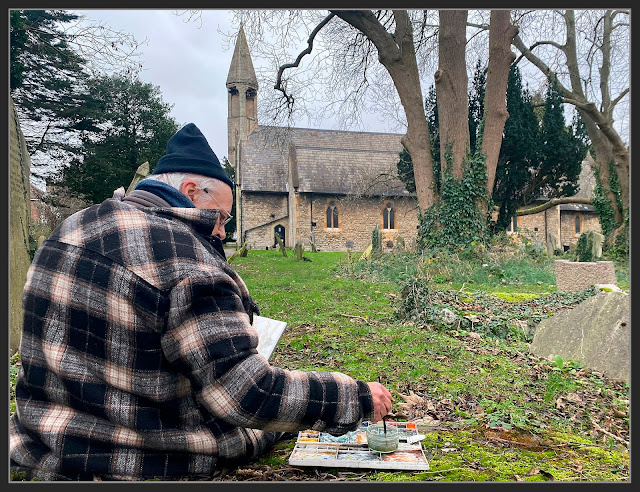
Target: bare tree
x=590 y=60
x=399 y=38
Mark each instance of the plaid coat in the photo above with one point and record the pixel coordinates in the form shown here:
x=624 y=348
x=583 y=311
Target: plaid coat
x=139 y=360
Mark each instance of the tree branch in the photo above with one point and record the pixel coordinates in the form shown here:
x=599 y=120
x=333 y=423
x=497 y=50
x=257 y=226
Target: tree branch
x=308 y=50
x=552 y=203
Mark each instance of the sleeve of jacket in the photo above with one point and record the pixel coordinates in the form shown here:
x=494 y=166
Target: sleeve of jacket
x=209 y=339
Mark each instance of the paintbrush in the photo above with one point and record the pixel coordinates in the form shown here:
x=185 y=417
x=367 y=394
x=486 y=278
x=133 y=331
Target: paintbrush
x=384 y=423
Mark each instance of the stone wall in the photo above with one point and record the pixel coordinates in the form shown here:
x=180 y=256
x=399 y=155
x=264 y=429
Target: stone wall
x=19 y=212
x=357 y=219
x=261 y=213
x=589 y=222
x=578 y=275
x=559 y=223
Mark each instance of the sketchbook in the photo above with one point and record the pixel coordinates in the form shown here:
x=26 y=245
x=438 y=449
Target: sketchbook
x=269 y=332
x=314 y=448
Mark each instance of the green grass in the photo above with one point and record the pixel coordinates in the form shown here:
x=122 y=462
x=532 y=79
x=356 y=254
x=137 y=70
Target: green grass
x=342 y=315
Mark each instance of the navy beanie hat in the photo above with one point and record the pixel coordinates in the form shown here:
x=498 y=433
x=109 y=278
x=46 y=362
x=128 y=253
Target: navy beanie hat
x=189 y=152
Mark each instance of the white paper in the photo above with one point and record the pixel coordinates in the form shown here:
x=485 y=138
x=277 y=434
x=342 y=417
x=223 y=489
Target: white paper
x=269 y=332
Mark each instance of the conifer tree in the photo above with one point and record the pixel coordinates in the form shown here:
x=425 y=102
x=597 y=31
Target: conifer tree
x=134 y=127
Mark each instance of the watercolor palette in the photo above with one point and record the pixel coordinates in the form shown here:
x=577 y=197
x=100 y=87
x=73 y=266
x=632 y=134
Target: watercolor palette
x=314 y=448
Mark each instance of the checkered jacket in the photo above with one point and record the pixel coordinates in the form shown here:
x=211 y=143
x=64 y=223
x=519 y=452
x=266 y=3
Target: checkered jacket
x=139 y=360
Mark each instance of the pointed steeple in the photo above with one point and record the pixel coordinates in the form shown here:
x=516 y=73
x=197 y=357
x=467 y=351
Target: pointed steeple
x=241 y=70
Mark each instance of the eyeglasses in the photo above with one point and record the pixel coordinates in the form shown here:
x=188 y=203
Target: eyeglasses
x=228 y=217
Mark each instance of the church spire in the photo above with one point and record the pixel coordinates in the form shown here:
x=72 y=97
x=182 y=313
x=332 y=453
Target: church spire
x=241 y=70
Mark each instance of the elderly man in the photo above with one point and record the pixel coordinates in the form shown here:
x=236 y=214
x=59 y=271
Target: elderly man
x=138 y=356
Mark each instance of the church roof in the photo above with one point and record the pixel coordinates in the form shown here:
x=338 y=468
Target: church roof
x=241 y=69
x=322 y=161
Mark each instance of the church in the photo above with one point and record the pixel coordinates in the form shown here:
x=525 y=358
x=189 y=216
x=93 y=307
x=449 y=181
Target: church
x=327 y=189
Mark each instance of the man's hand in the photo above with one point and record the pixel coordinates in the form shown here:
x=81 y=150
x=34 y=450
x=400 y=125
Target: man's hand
x=381 y=400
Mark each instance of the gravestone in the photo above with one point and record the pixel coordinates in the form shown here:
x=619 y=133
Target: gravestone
x=141 y=173
x=597 y=333
x=19 y=213
x=578 y=275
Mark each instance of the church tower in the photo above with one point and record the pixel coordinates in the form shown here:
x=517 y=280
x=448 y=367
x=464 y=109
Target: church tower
x=242 y=86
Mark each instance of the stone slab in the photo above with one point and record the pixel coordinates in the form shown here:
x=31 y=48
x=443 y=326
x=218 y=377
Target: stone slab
x=578 y=275
x=597 y=333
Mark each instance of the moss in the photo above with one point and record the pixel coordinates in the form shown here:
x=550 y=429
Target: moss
x=515 y=296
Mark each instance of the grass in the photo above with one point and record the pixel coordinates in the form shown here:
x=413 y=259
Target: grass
x=490 y=410
x=343 y=315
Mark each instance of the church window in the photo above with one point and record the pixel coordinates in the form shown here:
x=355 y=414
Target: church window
x=513 y=225
x=332 y=216
x=388 y=217
x=578 y=223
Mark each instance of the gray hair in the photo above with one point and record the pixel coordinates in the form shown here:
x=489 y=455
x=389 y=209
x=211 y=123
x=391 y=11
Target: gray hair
x=177 y=179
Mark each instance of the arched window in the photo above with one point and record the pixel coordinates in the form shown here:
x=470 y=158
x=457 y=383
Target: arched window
x=578 y=223
x=388 y=217
x=332 y=216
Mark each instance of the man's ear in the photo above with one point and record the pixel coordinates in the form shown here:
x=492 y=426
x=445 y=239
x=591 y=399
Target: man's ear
x=188 y=188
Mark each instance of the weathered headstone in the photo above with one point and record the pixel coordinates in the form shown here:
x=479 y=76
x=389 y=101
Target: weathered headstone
x=577 y=275
x=299 y=251
x=595 y=239
x=281 y=245
x=552 y=243
x=597 y=333
x=141 y=173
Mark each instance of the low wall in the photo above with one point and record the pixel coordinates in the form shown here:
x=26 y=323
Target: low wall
x=578 y=275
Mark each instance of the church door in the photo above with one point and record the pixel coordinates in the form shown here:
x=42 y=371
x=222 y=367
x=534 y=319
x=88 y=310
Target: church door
x=279 y=230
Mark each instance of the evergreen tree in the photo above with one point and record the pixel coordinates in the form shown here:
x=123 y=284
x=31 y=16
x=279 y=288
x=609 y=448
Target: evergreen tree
x=405 y=164
x=476 y=104
x=519 y=153
x=47 y=84
x=134 y=127
x=562 y=149
x=539 y=155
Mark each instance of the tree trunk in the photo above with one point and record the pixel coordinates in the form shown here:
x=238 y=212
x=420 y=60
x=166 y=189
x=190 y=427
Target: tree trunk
x=451 y=90
x=397 y=53
x=501 y=33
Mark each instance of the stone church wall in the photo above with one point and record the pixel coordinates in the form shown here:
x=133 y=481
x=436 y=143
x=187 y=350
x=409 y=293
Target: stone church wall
x=559 y=223
x=19 y=212
x=357 y=217
x=261 y=213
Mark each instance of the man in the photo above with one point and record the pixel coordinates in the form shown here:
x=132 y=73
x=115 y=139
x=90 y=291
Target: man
x=138 y=356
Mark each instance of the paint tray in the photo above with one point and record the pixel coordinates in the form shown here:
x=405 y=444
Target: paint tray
x=314 y=448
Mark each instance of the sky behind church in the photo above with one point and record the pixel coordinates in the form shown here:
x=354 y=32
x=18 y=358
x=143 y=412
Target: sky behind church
x=189 y=61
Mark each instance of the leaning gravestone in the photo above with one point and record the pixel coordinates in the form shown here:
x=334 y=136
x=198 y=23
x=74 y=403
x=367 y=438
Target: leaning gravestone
x=597 y=333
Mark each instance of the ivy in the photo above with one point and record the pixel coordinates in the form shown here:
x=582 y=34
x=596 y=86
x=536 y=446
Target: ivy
x=457 y=221
x=601 y=201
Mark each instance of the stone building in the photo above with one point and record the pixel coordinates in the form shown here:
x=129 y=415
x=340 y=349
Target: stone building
x=322 y=187
x=560 y=226
x=331 y=188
